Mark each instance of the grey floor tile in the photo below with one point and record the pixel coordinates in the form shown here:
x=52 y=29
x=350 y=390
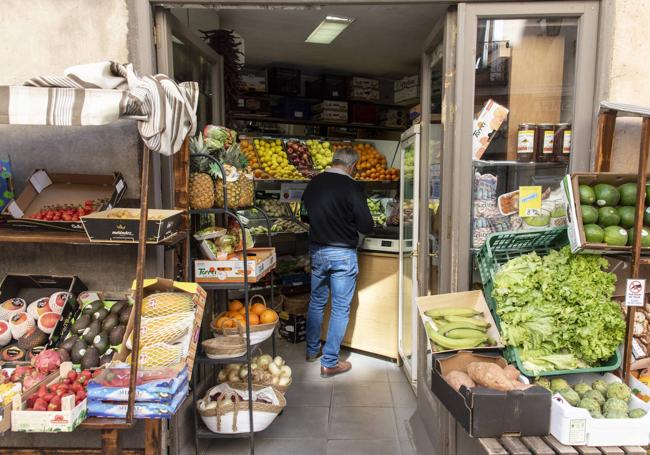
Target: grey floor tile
x=395 y=373
x=362 y=447
x=224 y=446
x=307 y=372
x=406 y=448
x=311 y=446
x=362 y=423
x=364 y=369
x=299 y=422
x=402 y=417
x=309 y=393
x=361 y=394
x=403 y=395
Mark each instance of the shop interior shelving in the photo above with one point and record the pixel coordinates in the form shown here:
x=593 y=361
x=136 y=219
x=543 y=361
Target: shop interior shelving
x=259 y=118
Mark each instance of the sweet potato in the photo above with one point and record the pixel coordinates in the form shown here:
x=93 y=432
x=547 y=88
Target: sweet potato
x=490 y=375
x=512 y=372
x=458 y=378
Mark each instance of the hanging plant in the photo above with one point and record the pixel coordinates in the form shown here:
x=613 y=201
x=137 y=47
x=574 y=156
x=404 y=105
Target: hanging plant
x=226 y=44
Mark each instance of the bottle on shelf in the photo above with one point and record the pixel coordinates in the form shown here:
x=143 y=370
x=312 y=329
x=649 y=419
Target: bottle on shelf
x=545 y=143
x=526 y=142
x=562 y=143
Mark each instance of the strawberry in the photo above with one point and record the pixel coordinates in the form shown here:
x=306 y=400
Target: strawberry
x=42 y=391
x=47 y=397
x=40 y=405
x=72 y=375
x=53 y=407
x=76 y=387
x=56 y=400
x=31 y=400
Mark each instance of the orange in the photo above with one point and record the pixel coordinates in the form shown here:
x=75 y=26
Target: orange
x=232 y=314
x=220 y=321
x=268 y=316
x=258 y=309
x=229 y=324
x=253 y=319
x=242 y=311
x=235 y=305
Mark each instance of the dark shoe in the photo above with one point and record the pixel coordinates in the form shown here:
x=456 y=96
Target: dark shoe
x=340 y=367
x=313 y=358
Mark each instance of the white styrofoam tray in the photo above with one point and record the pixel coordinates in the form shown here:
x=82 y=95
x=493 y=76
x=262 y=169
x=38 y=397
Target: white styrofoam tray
x=575 y=426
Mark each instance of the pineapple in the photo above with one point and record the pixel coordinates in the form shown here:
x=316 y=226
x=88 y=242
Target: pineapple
x=201 y=190
x=240 y=193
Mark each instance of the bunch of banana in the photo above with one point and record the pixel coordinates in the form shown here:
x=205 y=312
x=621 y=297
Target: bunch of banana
x=458 y=328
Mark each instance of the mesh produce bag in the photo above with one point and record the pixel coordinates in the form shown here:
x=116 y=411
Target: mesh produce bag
x=161 y=355
x=164 y=329
x=165 y=303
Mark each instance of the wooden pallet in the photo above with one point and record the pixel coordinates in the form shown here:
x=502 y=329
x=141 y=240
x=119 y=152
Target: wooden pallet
x=548 y=445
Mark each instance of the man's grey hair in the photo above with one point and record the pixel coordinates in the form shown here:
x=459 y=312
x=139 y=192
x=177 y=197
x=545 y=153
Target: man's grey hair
x=347 y=157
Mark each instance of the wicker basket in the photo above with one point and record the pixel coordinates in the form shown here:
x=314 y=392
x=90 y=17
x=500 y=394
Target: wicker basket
x=280 y=388
x=225 y=347
x=229 y=417
x=259 y=332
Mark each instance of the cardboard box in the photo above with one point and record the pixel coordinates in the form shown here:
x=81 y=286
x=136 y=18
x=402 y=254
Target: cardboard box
x=488 y=121
x=364 y=82
x=260 y=261
x=34 y=287
x=330 y=105
x=488 y=413
x=364 y=94
x=469 y=299
x=571 y=193
x=406 y=83
x=293 y=327
x=575 y=426
x=45 y=189
x=65 y=420
x=253 y=81
x=407 y=94
x=105 y=227
x=156 y=285
x=331 y=116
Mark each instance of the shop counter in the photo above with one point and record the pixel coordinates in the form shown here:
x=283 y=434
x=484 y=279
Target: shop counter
x=374 y=312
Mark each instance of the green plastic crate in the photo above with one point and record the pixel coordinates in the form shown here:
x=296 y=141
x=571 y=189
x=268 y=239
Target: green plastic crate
x=501 y=247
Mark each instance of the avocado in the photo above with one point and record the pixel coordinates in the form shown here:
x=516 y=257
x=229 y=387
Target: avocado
x=645 y=236
x=81 y=324
x=90 y=359
x=587 y=195
x=92 y=307
x=628 y=194
x=606 y=195
x=117 y=307
x=92 y=331
x=112 y=320
x=593 y=233
x=107 y=357
x=615 y=236
x=125 y=313
x=589 y=214
x=101 y=342
x=627 y=215
x=78 y=351
x=69 y=342
x=116 y=335
x=100 y=314
x=608 y=216
x=646 y=216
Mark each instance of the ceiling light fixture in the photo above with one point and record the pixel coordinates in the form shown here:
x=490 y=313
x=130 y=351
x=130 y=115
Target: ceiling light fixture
x=329 y=29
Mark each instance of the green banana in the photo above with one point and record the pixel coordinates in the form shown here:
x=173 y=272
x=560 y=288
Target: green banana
x=472 y=321
x=445 y=327
x=452 y=311
x=464 y=334
x=450 y=343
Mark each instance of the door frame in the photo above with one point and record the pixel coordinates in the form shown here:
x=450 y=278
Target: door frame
x=583 y=101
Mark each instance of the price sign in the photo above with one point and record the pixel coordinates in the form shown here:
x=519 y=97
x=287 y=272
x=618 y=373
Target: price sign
x=635 y=292
x=292 y=192
x=530 y=200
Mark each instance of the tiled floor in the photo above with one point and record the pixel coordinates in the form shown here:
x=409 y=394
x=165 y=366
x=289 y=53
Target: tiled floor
x=364 y=411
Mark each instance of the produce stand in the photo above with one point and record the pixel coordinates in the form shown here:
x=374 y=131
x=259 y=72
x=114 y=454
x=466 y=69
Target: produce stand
x=110 y=428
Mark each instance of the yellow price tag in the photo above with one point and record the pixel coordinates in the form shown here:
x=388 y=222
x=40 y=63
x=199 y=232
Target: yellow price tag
x=530 y=200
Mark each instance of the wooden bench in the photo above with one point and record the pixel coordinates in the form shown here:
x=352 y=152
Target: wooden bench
x=548 y=445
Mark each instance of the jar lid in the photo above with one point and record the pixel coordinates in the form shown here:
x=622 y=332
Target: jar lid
x=547 y=125
x=563 y=124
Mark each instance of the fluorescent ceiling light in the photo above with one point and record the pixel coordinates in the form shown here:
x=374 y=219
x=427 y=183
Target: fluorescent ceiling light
x=329 y=29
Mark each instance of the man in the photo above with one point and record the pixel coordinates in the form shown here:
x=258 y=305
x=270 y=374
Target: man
x=337 y=210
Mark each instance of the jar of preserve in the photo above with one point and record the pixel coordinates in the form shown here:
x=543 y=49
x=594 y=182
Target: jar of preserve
x=545 y=142
x=526 y=142
x=562 y=144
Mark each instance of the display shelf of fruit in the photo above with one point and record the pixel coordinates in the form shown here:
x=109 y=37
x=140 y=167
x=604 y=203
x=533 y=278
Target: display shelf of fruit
x=259 y=230
x=265 y=369
x=377 y=211
x=284 y=225
x=273 y=208
x=68 y=212
x=274 y=159
x=298 y=154
x=248 y=149
x=372 y=164
x=259 y=314
x=321 y=153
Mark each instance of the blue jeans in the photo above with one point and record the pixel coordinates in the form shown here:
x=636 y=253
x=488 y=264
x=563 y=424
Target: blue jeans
x=336 y=269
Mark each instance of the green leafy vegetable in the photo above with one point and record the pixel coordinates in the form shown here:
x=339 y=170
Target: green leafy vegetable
x=558 y=310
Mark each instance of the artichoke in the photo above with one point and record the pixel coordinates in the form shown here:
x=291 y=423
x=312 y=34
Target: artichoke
x=616 y=415
x=595 y=395
x=636 y=413
x=582 y=388
x=589 y=404
x=615 y=404
x=600 y=385
x=544 y=382
x=570 y=395
x=596 y=415
x=619 y=390
x=558 y=384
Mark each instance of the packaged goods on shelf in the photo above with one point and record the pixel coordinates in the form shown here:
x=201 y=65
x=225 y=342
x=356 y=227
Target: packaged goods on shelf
x=331 y=116
x=364 y=94
x=364 y=82
x=153 y=384
x=406 y=89
x=6 y=184
x=327 y=86
x=142 y=409
x=123 y=225
x=392 y=117
x=259 y=262
x=488 y=121
x=330 y=105
x=283 y=81
x=253 y=105
x=58 y=201
x=253 y=80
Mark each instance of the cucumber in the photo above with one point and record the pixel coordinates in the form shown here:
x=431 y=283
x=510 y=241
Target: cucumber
x=464 y=334
x=452 y=311
x=447 y=326
x=472 y=321
x=450 y=343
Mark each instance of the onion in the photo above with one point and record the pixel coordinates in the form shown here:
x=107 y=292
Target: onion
x=243 y=372
x=275 y=380
x=274 y=369
x=222 y=376
x=279 y=361
x=232 y=366
x=264 y=361
x=233 y=376
x=253 y=366
x=211 y=405
x=284 y=380
x=285 y=370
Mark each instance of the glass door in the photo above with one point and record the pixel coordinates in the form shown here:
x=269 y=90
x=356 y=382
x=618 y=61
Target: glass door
x=408 y=229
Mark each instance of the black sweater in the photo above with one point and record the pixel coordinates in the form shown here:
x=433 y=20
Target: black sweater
x=336 y=209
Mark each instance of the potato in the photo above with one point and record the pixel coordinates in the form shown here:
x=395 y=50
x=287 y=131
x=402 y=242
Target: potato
x=512 y=372
x=458 y=378
x=490 y=375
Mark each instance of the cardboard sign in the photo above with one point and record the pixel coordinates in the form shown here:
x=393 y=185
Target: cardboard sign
x=635 y=292
x=292 y=192
x=530 y=200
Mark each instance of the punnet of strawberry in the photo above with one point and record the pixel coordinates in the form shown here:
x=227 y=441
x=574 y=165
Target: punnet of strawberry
x=49 y=397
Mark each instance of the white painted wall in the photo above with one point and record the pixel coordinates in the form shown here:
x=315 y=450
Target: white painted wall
x=39 y=37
